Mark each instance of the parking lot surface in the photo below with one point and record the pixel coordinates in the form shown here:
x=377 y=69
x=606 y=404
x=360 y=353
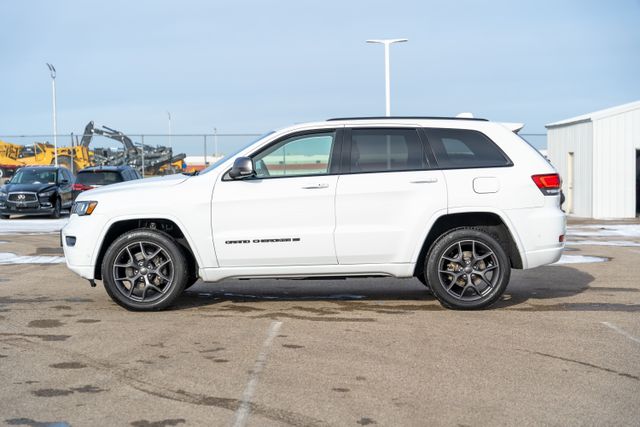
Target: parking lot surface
x=562 y=347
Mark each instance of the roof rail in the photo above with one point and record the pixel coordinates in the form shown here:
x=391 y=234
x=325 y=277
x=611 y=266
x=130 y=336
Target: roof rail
x=406 y=117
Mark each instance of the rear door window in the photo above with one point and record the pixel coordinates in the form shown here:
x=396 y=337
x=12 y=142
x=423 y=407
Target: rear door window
x=465 y=148
x=386 y=150
x=99 y=178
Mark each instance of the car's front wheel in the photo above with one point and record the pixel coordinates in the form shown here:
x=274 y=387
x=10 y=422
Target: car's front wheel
x=468 y=269
x=144 y=270
x=57 y=209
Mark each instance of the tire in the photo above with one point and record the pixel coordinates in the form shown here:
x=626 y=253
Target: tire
x=467 y=269
x=157 y=284
x=57 y=209
x=192 y=275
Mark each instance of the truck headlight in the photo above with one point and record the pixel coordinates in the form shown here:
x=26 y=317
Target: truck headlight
x=83 y=208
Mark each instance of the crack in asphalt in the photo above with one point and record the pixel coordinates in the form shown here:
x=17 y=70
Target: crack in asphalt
x=590 y=365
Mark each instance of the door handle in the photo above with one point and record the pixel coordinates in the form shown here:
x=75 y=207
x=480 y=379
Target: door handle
x=315 y=186
x=425 y=181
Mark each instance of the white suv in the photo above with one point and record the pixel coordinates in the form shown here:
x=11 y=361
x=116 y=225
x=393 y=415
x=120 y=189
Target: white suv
x=454 y=202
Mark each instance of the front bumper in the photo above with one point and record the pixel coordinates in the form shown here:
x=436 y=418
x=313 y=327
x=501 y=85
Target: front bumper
x=15 y=210
x=80 y=256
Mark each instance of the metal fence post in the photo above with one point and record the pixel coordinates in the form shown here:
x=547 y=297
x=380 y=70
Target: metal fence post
x=142 y=138
x=215 y=142
x=206 y=163
x=73 y=153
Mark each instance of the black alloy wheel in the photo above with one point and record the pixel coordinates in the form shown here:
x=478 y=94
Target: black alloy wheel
x=467 y=269
x=57 y=209
x=144 y=270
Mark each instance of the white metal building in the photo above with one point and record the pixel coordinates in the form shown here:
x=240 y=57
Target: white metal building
x=597 y=156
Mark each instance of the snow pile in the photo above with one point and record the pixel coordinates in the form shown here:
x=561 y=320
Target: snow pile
x=627 y=243
x=32 y=225
x=9 y=258
x=605 y=230
x=579 y=259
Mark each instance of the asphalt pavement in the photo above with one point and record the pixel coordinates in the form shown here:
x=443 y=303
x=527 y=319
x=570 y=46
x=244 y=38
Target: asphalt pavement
x=561 y=348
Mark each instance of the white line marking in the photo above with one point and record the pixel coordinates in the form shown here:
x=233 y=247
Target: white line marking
x=621 y=332
x=244 y=410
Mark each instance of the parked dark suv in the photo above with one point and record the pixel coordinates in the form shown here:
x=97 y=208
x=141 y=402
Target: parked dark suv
x=97 y=176
x=37 y=190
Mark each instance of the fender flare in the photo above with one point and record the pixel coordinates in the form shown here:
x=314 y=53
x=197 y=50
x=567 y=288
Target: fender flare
x=466 y=210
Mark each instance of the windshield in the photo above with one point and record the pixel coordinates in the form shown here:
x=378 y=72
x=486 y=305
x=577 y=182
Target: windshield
x=99 y=178
x=233 y=154
x=34 y=176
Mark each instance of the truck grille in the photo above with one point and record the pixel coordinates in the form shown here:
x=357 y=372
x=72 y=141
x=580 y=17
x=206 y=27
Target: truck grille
x=22 y=197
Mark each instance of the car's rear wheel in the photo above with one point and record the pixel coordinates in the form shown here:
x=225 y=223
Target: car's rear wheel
x=144 y=270
x=467 y=269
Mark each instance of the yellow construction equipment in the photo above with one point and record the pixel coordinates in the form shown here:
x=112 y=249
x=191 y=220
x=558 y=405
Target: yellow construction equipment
x=14 y=156
x=148 y=160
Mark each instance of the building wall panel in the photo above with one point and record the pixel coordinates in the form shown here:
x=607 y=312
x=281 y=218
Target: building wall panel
x=616 y=139
x=578 y=139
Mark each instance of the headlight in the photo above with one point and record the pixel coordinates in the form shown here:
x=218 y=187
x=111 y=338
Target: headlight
x=46 y=194
x=83 y=208
x=3 y=194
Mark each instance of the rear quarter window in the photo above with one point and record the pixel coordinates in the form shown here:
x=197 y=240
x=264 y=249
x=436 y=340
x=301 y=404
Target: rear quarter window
x=465 y=148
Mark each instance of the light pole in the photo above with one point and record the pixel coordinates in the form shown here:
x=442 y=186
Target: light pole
x=170 y=132
x=52 y=70
x=387 y=78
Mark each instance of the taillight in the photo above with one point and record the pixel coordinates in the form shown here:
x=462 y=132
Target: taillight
x=81 y=187
x=549 y=184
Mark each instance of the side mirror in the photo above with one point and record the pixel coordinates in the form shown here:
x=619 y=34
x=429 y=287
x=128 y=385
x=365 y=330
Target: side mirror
x=6 y=181
x=242 y=168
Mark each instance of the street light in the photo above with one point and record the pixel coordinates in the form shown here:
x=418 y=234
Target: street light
x=52 y=70
x=387 y=78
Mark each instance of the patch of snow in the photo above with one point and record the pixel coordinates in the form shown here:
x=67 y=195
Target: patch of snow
x=579 y=259
x=628 y=243
x=605 y=230
x=9 y=258
x=32 y=226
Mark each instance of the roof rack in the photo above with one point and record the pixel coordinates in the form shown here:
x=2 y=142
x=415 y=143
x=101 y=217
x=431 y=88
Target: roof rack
x=405 y=117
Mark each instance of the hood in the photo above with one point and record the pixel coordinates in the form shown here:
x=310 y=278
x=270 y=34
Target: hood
x=134 y=185
x=31 y=188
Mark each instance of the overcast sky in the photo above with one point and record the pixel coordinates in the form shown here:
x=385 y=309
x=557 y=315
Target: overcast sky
x=251 y=66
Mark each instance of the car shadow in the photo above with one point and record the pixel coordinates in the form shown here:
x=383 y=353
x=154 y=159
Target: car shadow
x=529 y=290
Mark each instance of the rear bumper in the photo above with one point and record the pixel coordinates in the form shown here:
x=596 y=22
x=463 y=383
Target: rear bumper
x=539 y=231
x=543 y=257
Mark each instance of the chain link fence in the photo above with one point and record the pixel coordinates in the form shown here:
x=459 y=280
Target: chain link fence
x=196 y=150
